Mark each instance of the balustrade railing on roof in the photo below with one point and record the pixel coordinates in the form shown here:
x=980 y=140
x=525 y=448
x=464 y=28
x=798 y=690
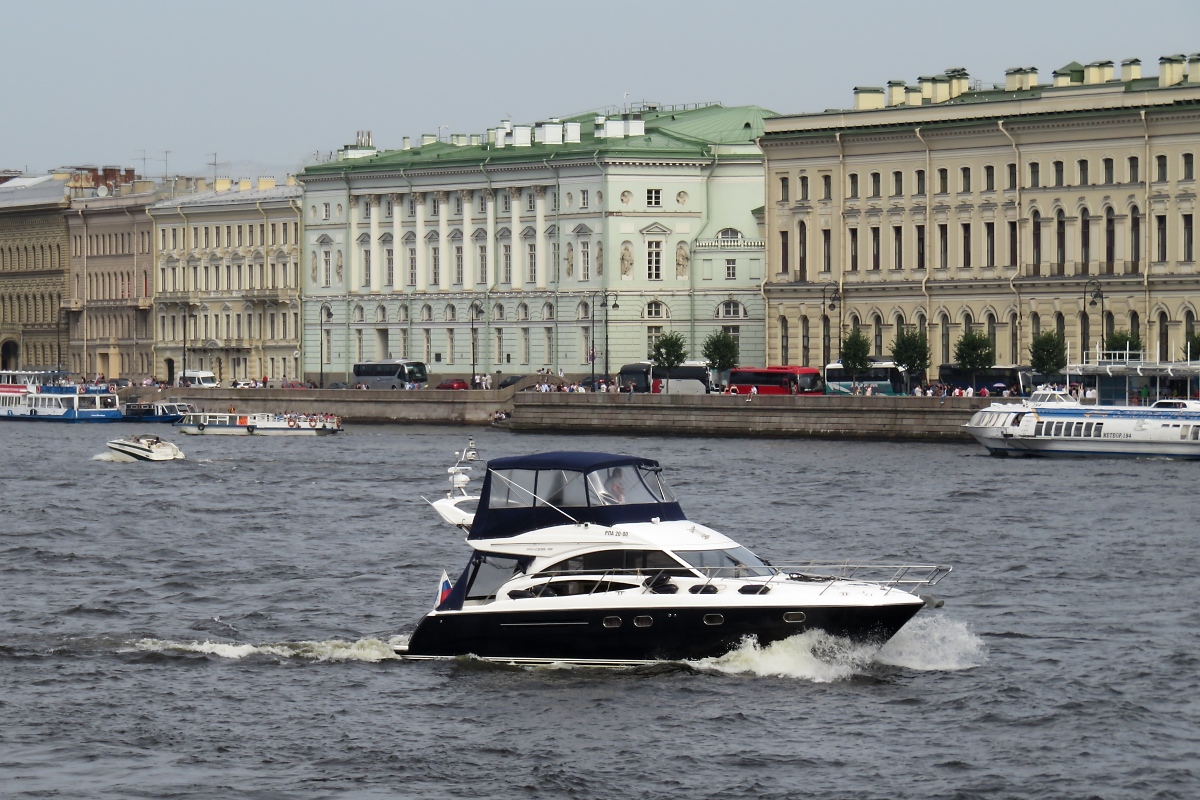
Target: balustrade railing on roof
x=731 y=244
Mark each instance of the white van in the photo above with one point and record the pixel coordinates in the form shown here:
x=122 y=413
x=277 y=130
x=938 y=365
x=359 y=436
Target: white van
x=199 y=378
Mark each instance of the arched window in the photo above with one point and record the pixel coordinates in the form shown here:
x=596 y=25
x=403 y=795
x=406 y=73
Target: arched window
x=854 y=325
x=656 y=310
x=381 y=314
x=1135 y=324
x=584 y=311
x=522 y=312
x=548 y=311
x=804 y=342
x=1036 y=220
x=1189 y=323
x=802 y=251
x=1085 y=241
x=899 y=323
x=1060 y=242
x=783 y=340
x=498 y=312
x=1135 y=238
x=1035 y=324
x=1110 y=325
x=427 y=313
x=1164 y=351
x=946 y=359
x=1014 y=341
x=991 y=330
x=451 y=313
x=968 y=322
x=402 y=316
x=877 y=331
x=358 y=313
x=729 y=233
x=1060 y=325
x=731 y=309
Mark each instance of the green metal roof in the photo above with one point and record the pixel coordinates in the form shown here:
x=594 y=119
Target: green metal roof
x=688 y=133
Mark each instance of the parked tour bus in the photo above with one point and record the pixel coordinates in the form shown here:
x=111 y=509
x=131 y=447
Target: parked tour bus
x=996 y=379
x=882 y=377
x=394 y=373
x=777 y=380
x=690 y=377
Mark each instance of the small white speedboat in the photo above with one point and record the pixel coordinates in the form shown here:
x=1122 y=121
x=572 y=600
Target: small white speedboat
x=146 y=447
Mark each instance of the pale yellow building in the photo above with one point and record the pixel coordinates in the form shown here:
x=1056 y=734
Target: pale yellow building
x=1012 y=209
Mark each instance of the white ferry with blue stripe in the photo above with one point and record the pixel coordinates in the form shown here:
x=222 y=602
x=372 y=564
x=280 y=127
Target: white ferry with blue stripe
x=1052 y=423
x=40 y=396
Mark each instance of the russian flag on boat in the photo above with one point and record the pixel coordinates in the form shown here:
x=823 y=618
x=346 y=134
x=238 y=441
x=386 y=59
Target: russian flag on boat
x=444 y=587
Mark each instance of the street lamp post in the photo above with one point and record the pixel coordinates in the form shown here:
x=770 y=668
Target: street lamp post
x=1092 y=289
x=606 y=306
x=834 y=295
x=474 y=312
x=324 y=315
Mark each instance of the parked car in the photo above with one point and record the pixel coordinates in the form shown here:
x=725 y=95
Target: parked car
x=293 y=385
x=338 y=385
x=509 y=381
x=453 y=383
x=242 y=385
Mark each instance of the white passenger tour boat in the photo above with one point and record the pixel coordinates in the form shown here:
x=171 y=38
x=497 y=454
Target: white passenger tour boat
x=240 y=424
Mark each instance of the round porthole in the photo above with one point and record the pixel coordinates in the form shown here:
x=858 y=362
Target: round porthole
x=643 y=622
x=612 y=622
x=713 y=619
x=793 y=616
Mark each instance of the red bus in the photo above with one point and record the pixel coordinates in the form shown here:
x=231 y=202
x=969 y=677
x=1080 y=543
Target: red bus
x=777 y=380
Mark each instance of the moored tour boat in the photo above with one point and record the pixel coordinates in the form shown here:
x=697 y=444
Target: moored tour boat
x=237 y=424
x=588 y=558
x=146 y=447
x=37 y=396
x=155 y=412
x=1052 y=423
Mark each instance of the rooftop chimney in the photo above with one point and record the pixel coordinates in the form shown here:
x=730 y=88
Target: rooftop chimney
x=941 y=88
x=223 y=184
x=635 y=125
x=1170 y=70
x=1194 y=68
x=868 y=98
x=406 y=143
x=1131 y=69
x=1013 y=78
x=266 y=182
x=912 y=96
x=571 y=133
x=1030 y=78
x=428 y=138
x=895 y=93
x=522 y=136
x=926 y=84
x=476 y=139
x=244 y=184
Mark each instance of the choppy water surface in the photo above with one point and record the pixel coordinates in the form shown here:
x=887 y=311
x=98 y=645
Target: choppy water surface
x=219 y=627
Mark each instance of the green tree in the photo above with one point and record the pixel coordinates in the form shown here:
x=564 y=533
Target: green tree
x=668 y=352
x=1191 y=346
x=973 y=351
x=1048 y=353
x=1122 y=339
x=720 y=351
x=910 y=350
x=856 y=354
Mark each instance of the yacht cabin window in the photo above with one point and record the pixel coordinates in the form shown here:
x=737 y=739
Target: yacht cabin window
x=618 y=561
x=612 y=486
x=736 y=562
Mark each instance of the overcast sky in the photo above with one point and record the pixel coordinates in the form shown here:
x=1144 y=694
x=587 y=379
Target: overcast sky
x=267 y=84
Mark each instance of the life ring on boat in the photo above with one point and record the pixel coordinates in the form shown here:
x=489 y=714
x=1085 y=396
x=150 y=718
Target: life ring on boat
x=250 y=429
x=39 y=388
x=292 y=422
x=312 y=422
x=200 y=427
x=82 y=389
x=112 y=388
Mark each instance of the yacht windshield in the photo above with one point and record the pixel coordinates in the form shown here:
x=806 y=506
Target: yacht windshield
x=618 y=486
x=736 y=562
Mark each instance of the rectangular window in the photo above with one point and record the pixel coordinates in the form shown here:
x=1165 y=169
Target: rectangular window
x=783 y=190
x=174 y=238
x=531 y=262
x=458 y=265
x=325 y=211
x=506 y=255
x=1133 y=169
x=654 y=198
x=435 y=266
x=826 y=250
x=366 y=207
x=853 y=190
x=1108 y=170
x=482 y=203
x=989 y=178
x=1160 y=165
x=1188 y=248
x=1012 y=177
x=391 y=266
x=554 y=201
x=412 y=266
x=388 y=213
x=943 y=176
x=412 y=206
x=1059 y=173
x=897 y=247
x=239 y=235
x=1160 y=223
x=854 y=249
x=1083 y=172
x=585 y=261
x=366 y=254
x=531 y=201
x=583 y=198
x=943 y=246
x=920 y=181
x=654 y=260
x=897 y=184
x=965 y=178
x=653 y=334
x=273 y=233
x=458 y=205
x=875 y=248
x=826 y=187
x=875 y=185
x=326 y=257
x=784 y=251
x=989 y=232
x=1035 y=175
x=734 y=331
x=920 y=247
x=206 y=229
x=1188 y=168
x=803 y=187
x=731 y=269
x=483 y=265
x=966 y=245
x=507 y=202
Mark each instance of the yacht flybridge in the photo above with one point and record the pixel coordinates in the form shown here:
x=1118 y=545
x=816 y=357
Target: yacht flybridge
x=588 y=558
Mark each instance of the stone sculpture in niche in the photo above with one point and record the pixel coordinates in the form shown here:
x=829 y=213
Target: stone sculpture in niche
x=314 y=268
x=570 y=260
x=626 y=259
x=682 y=259
x=599 y=258
x=339 y=265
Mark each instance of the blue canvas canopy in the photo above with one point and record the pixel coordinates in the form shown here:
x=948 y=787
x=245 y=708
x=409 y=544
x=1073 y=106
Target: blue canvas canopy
x=524 y=493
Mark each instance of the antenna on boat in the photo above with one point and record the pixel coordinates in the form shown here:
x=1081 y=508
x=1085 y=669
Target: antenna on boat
x=535 y=497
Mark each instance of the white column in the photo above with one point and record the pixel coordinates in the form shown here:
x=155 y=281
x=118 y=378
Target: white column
x=514 y=240
x=377 y=264
x=400 y=258
x=444 y=241
x=353 y=265
x=540 y=237
x=470 y=260
x=490 y=223
x=419 y=231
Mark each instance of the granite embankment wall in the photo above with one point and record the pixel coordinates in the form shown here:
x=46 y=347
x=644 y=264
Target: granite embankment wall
x=900 y=418
x=905 y=418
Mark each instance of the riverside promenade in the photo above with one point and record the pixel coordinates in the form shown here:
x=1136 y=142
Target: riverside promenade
x=878 y=418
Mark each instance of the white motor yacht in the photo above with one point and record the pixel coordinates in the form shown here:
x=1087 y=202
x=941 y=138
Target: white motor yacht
x=588 y=558
x=146 y=447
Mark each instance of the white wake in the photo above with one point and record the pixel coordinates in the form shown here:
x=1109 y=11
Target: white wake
x=371 y=650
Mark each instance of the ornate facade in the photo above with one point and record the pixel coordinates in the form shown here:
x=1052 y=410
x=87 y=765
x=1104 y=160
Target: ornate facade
x=1014 y=209
x=566 y=245
x=33 y=271
x=227 y=281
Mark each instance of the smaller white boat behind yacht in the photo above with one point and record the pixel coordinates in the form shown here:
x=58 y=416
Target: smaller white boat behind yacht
x=146 y=447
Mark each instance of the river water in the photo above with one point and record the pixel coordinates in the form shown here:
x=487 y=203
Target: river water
x=219 y=627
